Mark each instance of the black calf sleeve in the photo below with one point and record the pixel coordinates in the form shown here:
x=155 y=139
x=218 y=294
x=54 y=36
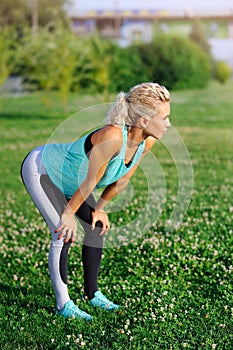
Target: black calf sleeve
x=91 y=258
x=92 y=247
x=64 y=261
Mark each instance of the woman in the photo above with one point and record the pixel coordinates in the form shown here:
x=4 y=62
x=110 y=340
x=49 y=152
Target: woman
x=60 y=179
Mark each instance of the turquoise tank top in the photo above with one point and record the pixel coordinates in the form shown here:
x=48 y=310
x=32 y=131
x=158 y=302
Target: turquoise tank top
x=67 y=164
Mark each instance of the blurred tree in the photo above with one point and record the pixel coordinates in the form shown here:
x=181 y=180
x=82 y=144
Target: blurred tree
x=199 y=36
x=13 y=12
x=7 y=52
x=49 y=61
x=222 y=71
x=52 y=11
x=101 y=58
x=33 y=12
x=93 y=65
x=176 y=62
x=128 y=72
x=110 y=68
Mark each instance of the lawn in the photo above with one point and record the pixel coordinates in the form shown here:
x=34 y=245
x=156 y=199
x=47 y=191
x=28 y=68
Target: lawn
x=174 y=286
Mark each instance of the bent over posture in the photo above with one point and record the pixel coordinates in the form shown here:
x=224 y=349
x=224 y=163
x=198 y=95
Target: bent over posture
x=60 y=179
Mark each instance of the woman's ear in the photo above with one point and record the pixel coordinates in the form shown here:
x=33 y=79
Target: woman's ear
x=144 y=122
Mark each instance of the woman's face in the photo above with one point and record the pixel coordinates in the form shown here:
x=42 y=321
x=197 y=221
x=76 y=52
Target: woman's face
x=158 y=125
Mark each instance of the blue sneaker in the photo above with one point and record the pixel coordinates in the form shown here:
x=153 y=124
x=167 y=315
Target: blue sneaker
x=100 y=300
x=70 y=310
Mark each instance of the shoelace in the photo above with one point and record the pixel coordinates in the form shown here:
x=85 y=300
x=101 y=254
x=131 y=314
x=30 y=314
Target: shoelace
x=76 y=310
x=103 y=299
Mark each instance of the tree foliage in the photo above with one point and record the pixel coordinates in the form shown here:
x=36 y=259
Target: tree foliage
x=222 y=71
x=49 y=60
x=99 y=58
x=19 y=13
x=13 y=12
x=199 y=36
x=59 y=60
x=52 y=11
x=126 y=69
x=8 y=47
x=175 y=62
x=108 y=67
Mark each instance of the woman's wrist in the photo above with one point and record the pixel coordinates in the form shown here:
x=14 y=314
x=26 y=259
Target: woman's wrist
x=100 y=204
x=99 y=208
x=68 y=210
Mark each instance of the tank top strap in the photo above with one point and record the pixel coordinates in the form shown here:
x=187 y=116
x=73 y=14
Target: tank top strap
x=125 y=136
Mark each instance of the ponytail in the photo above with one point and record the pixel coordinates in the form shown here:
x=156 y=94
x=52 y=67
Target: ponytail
x=118 y=113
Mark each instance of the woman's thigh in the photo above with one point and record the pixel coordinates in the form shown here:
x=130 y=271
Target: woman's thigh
x=46 y=196
x=84 y=214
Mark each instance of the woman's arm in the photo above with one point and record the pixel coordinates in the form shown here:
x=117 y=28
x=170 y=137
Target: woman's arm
x=114 y=189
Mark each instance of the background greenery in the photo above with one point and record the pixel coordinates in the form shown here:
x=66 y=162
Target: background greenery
x=55 y=59
x=60 y=60
x=175 y=288
x=20 y=13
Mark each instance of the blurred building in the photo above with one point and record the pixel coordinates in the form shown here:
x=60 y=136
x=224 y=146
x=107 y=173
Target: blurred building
x=130 y=26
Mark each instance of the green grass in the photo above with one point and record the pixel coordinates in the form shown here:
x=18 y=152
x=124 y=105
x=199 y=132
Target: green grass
x=175 y=287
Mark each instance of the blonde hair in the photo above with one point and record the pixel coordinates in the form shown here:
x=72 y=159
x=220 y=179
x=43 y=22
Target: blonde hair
x=142 y=100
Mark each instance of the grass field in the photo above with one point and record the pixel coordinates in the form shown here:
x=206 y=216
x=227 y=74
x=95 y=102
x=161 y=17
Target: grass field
x=175 y=288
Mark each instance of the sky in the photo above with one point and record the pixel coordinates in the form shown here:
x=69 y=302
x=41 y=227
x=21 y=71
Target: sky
x=152 y=4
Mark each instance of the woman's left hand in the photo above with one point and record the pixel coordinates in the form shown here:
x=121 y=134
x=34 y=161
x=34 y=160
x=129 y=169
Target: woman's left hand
x=68 y=227
x=100 y=215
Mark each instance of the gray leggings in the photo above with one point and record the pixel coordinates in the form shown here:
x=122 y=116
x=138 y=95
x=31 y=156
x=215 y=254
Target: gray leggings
x=51 y=202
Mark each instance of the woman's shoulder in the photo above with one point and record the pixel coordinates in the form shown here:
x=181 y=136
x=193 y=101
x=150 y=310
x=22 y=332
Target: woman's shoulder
x=107 y=133
x=149 y=143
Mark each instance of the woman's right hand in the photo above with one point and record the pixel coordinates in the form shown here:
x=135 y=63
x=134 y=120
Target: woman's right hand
x=100 y=215
x=68 y=227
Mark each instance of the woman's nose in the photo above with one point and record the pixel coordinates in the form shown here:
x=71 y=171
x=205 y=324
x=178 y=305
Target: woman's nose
x=168 y=124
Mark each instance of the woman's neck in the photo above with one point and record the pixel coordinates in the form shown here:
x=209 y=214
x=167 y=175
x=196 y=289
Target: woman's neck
x=136 y=134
